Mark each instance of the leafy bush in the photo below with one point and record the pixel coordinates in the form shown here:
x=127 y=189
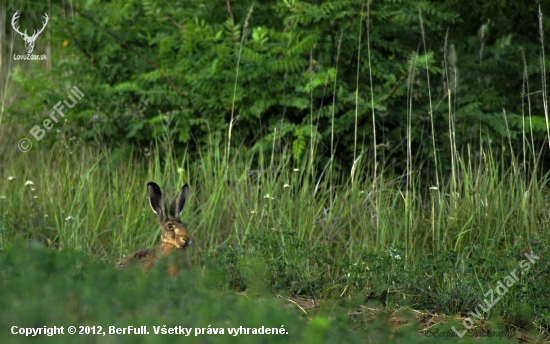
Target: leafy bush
x=290 y=70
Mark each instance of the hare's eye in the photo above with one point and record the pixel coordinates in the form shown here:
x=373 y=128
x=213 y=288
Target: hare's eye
x=170 y=227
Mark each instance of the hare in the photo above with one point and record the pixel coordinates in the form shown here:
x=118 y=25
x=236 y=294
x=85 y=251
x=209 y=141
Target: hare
x=174 y=236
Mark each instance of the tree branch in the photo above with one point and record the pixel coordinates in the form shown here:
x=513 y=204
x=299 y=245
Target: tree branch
x=125 y=45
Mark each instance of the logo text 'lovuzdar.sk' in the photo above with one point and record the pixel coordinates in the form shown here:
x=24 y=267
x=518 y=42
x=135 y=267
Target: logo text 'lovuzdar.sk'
x=29 y=40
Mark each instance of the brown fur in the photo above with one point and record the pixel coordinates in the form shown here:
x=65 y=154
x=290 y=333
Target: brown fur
x=174 y=239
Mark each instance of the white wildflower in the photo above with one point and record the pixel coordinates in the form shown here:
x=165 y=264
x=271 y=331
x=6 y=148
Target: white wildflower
x=10 y=178
x=69 y=218
x=29 y=182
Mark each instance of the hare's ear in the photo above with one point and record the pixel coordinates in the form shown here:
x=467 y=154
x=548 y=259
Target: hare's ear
x=178 y=202
x=155 y=198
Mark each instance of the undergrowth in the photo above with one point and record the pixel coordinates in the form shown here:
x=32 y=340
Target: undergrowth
x=435 y=250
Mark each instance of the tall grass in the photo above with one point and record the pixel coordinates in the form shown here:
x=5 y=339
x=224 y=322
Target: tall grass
x=322 y=233
x=95 y=199
x=260 y=209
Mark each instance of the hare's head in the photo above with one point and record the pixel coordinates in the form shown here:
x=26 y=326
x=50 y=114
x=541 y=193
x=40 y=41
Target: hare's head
x=174 y=232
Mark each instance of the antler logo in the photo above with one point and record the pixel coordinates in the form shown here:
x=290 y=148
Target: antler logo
x=29 y=40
